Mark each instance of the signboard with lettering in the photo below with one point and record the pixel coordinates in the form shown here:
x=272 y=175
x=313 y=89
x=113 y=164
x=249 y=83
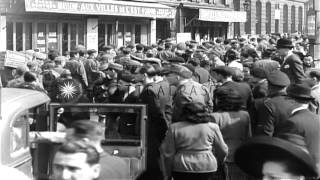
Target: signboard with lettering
x=14 y=59
x=116 y=8
x=222 y=16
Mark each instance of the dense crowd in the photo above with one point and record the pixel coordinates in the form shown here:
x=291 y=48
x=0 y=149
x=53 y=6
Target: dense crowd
x=230 y=109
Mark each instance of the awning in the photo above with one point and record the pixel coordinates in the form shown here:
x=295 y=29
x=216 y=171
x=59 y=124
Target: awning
x=222 y=16
x=102 y=7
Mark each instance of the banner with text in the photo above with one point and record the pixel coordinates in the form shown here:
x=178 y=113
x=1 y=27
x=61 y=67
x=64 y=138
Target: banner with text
x=222 y=16
x=116 y=8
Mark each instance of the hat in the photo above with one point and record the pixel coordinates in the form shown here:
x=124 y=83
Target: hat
x=278 y=78
x=284 y=43
x=91 y=51
x=181 y=46
x=189 y=51
x=259 y=73
x=180 y=70
x=300 y=91
x=127 y=77
x=105 y=48
x=223 y=70
x=103 y=67
x=115 y=66
x=66 y=72
x=315 y=73
x=251 y=155
x=193 y=42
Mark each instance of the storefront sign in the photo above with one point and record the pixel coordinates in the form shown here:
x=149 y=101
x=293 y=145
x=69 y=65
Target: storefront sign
x=116 y=8
x=311 y=31
x=222 y=16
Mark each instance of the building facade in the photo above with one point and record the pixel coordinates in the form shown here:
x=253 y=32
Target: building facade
x=271 y=16
x=64 y=24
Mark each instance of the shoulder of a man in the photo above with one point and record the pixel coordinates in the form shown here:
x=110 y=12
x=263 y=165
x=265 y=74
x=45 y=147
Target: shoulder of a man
x=113 y=168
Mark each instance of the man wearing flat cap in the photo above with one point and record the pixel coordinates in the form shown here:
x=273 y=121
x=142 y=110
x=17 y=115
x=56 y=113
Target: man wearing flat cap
x=292 y=65
x=187 y=90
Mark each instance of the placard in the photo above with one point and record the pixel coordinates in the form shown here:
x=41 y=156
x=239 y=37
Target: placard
x=14 y=59
x=183 y=37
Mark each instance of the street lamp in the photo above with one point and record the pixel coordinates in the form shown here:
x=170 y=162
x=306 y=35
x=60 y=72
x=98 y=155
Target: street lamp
x=246 y=5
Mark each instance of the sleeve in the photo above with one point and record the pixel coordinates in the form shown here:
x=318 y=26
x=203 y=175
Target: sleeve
x=265 y=126
x=297 y=70
x=220 y=147
x=168 y=151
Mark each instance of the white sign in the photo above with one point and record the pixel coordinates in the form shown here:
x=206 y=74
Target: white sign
x=277 y=14
x=92 y=33
x=183 y=37
x=15 y=59
x=222 y=16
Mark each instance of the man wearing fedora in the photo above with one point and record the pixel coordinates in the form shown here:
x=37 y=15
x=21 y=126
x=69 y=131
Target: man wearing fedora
x=292 y=65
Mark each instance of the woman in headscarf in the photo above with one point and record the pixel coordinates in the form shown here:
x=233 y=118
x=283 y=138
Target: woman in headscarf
x=193 y=147
x=235 y=127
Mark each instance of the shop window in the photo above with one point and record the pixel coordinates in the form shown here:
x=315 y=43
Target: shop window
x=137 y=33
x=109 y=34
x=73 y=36
x=53 y=36
x=28 y=36
x=19 y=33
x=9 y=35
x=120 y=34
x=65 y=37
x=128 y=34
x=81 y=34
x=41 y=37
x=101 y=36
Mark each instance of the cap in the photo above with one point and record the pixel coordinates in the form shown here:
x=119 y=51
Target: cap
x=278 y=78
x=259 y=73
x=223 y=70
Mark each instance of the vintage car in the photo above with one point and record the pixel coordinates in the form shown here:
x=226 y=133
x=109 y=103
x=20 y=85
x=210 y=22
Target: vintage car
x=20 y=109
x=28 y=115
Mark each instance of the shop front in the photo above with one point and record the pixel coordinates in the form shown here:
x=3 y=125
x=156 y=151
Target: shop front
x=208 y=23
x=64 y=24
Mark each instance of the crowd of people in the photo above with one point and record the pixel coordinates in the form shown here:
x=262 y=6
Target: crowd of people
x=244 y=108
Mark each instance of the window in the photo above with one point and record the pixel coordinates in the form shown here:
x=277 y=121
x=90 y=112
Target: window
x=65 y=37
x=120 y=34
x=81 y=34
x=19 y=36
x=268 y=18
x=109 y=34
x=18 y=135
x=300 y=17
x=28 y=36
x=9 y=35
x=258 y=20
x=41 y=37
x=73 y=36
x=101 y=36
x=137 y=33
x=293 y=19
x=285 y=18
x=53 y=36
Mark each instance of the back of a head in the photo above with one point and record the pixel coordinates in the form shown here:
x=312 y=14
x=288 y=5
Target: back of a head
x=86 y=129
x=20 y=70
x=29 y=77
x=74 y=147
x=148 y=69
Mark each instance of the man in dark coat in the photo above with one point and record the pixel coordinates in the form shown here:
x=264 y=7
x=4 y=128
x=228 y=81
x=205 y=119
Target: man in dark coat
x=201 y=74
x=302 y=121
x=224 y=76
x=77 y=69
x=156 y=94
x=292 y=64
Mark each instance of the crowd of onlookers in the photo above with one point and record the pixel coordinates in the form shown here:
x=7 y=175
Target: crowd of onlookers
x=230 y=109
